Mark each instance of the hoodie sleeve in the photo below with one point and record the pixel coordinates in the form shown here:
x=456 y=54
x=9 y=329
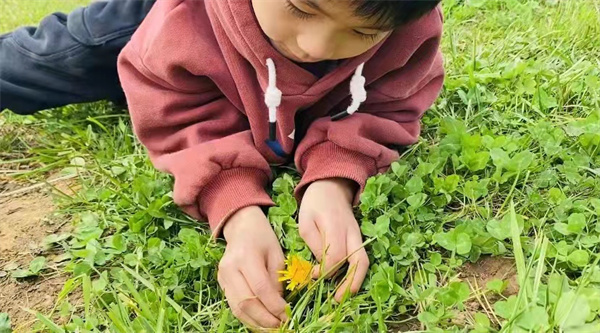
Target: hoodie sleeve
x=362 y=145
x=193 y=132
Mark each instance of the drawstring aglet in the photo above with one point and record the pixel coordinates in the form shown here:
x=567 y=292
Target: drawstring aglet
x=273 y=131
x=339 y=116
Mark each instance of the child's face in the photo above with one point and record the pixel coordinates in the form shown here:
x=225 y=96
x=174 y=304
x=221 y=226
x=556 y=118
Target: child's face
x=316 y=30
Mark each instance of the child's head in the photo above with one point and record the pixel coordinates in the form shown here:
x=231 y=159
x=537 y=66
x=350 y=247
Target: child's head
x=317 y=30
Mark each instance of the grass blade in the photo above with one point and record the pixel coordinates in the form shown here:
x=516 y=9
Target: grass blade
x=49 y=323
x=517 y=248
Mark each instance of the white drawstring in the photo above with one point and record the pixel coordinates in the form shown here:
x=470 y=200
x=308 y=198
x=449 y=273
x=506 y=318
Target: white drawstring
x=357 y=89
x=273 y=94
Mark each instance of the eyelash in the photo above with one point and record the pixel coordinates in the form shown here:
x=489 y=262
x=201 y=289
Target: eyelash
x=297 y=12
x=369 y=37
x=305 y=16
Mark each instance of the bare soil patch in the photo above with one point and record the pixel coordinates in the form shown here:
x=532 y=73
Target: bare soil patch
x=478 y=275
x=490 y=268
x=26 y=218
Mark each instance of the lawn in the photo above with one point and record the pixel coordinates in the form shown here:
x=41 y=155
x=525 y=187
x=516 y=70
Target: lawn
x=489 y=224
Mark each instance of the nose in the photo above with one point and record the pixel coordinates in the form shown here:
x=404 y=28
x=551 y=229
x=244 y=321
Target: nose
x=317 y=45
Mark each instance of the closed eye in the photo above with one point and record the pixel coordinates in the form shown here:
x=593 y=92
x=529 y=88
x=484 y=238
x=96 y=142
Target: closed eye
x=369 y=37
x=297 y=11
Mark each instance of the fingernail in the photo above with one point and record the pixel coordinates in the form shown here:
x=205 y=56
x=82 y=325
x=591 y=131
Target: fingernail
x=315 y=272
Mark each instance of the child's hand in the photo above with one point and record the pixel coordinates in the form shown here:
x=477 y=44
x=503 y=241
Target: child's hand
x=248 y=270
x=326 y=215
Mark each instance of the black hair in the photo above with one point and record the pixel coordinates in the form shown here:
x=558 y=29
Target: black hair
x=391 y=14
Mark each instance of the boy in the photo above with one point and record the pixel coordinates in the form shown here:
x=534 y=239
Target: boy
x=218 y=90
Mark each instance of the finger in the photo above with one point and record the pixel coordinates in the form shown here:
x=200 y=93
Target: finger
x=335 y=251
x=359 y=266
x=310 y=233
x=262 y=286
x=246 y=305
x=228 y=282
x=275 y=263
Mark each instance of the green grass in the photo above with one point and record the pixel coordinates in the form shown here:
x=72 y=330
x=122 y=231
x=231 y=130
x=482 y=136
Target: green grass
x=508 y=165
x=16 y=13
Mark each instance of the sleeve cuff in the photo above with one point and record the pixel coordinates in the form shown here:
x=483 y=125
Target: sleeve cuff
x=230 y=191
x=328 y=160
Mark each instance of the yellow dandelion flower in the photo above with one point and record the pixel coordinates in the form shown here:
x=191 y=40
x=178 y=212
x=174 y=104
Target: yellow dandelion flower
x=298 y=272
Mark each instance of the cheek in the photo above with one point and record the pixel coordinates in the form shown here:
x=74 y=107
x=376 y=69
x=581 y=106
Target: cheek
x=272 y=19
x=353 y=49
x=357 y=46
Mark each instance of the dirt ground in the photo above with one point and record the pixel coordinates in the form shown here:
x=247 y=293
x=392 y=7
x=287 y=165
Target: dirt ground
x=477 y=275
x=25 y=220
x=490 y=268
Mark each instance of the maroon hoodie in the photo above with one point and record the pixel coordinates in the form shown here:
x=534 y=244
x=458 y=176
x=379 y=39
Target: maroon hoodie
x=214 y=103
